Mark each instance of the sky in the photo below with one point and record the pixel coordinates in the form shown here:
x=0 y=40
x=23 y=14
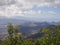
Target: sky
x=47 y=10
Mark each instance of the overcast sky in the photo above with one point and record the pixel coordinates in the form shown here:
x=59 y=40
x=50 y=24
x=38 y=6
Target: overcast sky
x=34 y=9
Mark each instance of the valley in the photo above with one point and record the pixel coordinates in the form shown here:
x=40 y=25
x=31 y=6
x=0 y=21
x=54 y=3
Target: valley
x=27 y=28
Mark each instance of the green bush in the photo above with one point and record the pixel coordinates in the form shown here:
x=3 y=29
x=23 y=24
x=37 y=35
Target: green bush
x=50 y=37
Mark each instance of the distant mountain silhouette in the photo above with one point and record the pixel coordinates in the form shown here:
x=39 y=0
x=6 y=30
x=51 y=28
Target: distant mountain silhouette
x=28 y=30
x=26 y=27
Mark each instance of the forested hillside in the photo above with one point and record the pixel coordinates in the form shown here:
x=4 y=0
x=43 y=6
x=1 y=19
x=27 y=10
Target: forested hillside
x=50 y=37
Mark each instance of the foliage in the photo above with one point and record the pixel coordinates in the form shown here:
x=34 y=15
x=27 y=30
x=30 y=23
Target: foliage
x=50 y=37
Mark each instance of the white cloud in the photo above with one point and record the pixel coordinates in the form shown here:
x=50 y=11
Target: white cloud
x=40 y=12
x=13 y=10
x=7 y=2
x=51 y=12
x=10 y=8
x=10 y=11
x=31 y=3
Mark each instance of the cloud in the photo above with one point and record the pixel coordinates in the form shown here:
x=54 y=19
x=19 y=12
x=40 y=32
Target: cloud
x=10 y=8
x=30 y=3
x=7 y=2
x=13 y=10
x=40 y=3
x=51 y=12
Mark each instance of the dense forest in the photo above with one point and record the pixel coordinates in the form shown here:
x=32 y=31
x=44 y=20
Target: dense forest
x=50 y=37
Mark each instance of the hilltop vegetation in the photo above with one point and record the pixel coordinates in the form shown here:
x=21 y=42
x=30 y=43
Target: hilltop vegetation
x=50 y=37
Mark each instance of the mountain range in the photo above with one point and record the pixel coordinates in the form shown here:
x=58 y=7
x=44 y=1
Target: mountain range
x=26 y=27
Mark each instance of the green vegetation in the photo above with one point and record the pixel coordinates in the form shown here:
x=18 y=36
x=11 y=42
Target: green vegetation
x=50 y=37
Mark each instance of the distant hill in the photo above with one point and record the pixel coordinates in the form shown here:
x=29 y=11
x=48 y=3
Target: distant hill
x=32 y=28
x=26 y=27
